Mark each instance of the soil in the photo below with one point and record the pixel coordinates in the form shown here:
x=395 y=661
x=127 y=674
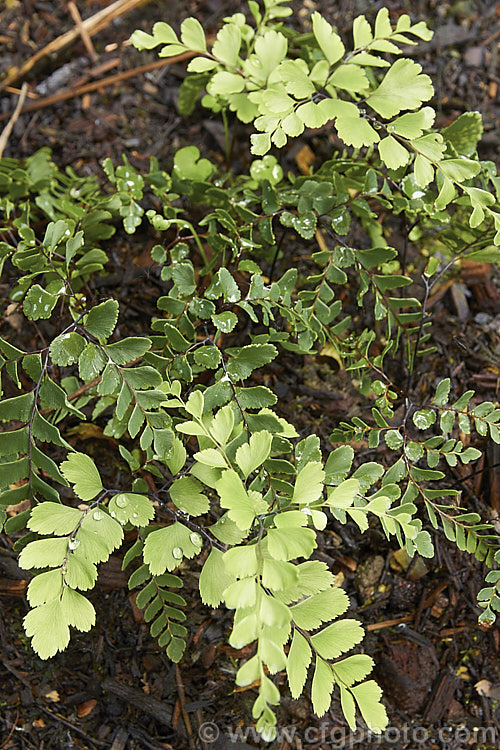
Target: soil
x=113 y=687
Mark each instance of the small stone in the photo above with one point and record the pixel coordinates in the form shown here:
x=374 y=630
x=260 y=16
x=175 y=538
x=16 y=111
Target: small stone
x=474 y=57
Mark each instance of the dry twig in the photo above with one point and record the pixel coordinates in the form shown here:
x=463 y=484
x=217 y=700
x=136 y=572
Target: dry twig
x=90 y=26
x=75 y=15
x=4 y=137
x=182 y=702
x=94 y=85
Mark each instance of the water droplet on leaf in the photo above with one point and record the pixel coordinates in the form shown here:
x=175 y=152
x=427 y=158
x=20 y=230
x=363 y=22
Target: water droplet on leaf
x=195 y=539
x=98 y=515
x=121 y=501
x=177 y=553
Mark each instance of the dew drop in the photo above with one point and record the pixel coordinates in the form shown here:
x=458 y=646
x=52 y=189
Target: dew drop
x=177 y=553
x=195 y=539
x=121 y=501
x=97 y=515
x=73 y=543
x=223 y=519
x=421 y=420
x=134 y=515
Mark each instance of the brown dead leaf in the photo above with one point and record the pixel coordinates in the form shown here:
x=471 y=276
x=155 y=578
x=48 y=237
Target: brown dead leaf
x=52 y=696
x=304 y=159
x=85 y=708
x=13 y=510
x=488 y=690
x=13 y=318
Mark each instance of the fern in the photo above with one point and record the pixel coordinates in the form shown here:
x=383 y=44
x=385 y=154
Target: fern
x=212 y=471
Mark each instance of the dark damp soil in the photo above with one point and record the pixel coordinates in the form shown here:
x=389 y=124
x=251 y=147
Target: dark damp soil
x=113 y=687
